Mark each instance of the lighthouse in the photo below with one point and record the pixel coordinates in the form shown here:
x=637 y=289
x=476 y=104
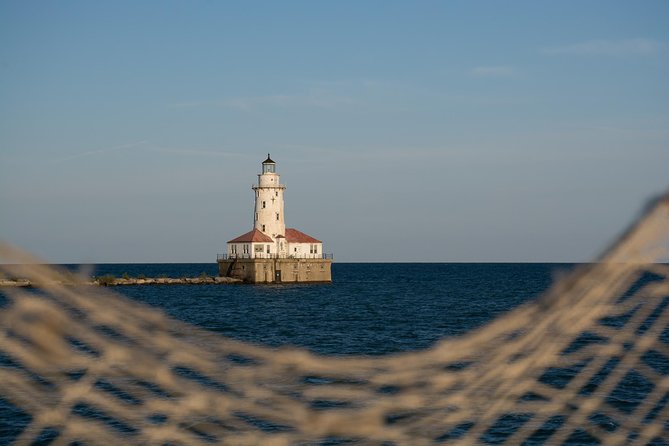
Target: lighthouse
x=268 y=217
x=270 y=252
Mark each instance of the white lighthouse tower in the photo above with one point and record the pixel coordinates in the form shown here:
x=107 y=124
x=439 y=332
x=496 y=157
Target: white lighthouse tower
x=270 y=252
x=268 y=217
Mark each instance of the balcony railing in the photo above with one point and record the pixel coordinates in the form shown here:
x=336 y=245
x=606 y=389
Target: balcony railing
x=275 y=186
x=262 y=255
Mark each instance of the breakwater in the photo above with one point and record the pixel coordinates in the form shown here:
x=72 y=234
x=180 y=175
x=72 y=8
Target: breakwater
x=120 y=281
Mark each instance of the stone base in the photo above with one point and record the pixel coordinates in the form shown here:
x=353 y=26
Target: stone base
x=276 y=270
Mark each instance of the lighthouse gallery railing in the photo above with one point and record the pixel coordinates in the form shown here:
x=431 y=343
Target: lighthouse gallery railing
x=220 y=257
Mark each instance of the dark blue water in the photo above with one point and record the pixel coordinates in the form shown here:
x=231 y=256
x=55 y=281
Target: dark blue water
x=370 y=308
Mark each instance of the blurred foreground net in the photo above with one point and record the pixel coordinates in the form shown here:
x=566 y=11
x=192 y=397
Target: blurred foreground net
x=586 y=363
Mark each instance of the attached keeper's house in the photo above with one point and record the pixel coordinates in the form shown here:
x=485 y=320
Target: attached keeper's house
x=270 y=252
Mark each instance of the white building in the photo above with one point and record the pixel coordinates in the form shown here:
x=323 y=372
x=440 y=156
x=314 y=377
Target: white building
x=269 y=237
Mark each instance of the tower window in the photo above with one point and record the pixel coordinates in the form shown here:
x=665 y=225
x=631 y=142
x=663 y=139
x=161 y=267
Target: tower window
x=256 y=216
x=263 y=205
x=276 y=193
x=277 y=216
x=263 y=228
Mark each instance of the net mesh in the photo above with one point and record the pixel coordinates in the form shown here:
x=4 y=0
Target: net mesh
x=585 y=363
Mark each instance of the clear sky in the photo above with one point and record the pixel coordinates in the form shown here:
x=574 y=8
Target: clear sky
x=131 y=131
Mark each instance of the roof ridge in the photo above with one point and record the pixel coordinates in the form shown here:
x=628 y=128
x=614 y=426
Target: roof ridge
x=254 y=235
x=296 y=236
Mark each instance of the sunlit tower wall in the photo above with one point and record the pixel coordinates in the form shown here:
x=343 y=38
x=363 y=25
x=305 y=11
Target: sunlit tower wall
x=269 y=216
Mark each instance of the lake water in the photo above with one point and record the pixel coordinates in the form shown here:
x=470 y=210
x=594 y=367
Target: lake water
x=368 y=309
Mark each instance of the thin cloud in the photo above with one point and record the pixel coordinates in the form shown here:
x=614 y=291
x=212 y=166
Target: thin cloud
x=494 y=71
x=627 y=47
x=192 y=104
x=189 y=152
x=351 y=83
x=312 y=99
x=148 y=146
x=131 y=145
x=323 y=94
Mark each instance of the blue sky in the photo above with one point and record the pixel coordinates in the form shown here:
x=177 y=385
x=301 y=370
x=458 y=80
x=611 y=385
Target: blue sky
x=405 y=131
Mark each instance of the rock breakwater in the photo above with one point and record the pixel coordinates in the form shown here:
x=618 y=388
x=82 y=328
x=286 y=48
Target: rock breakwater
x=119 y=281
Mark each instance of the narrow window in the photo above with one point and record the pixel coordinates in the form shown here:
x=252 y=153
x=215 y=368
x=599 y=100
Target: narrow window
x=256 y=216
x=263 y=228
x=276 y=193
x=263 y=205
x=267 y=249
x=277 y=216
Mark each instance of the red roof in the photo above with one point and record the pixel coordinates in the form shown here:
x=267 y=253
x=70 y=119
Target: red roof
x=253 y=236
x=295 y=236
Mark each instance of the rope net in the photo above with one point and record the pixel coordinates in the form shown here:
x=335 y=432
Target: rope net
x=585 y=363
